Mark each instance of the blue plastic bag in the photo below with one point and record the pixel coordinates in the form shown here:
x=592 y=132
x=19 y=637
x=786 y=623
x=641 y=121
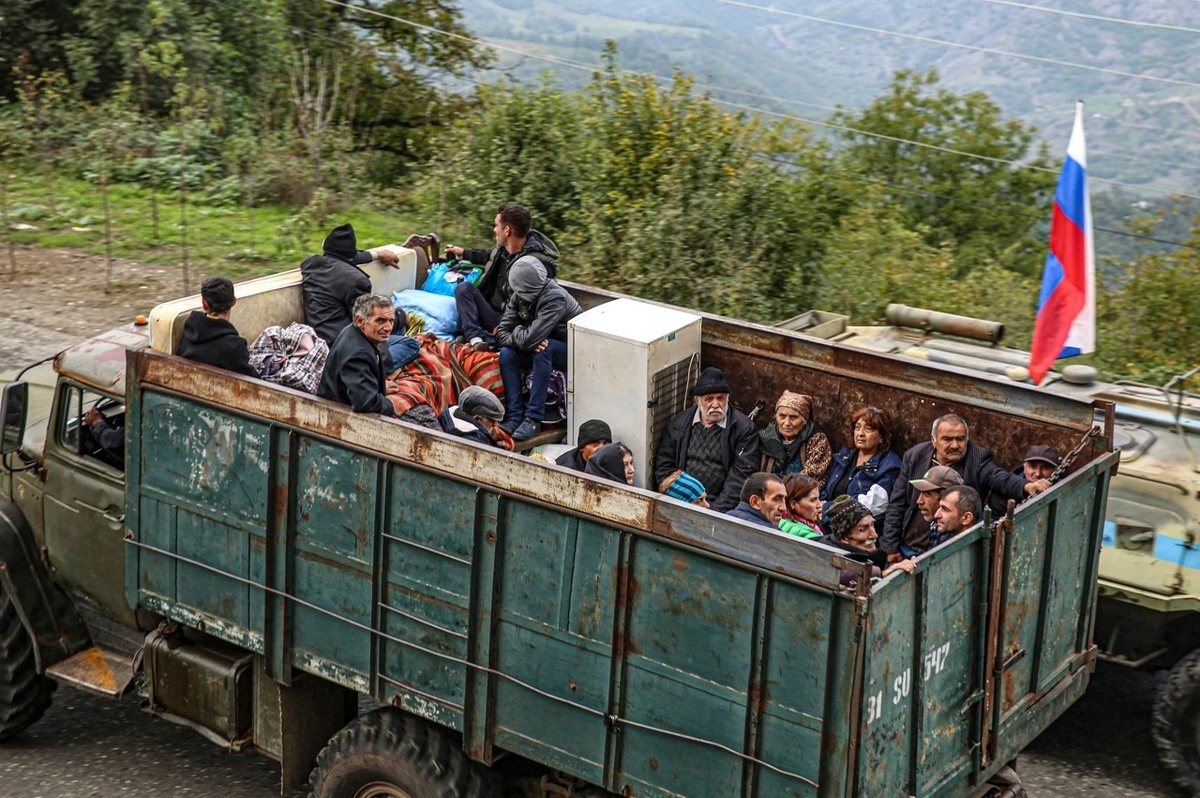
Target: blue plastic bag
x=438 y=311
x=444 y=277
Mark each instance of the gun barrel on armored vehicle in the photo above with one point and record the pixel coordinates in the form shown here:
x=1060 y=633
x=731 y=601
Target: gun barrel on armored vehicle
x=1148 y=614
x=282 y=554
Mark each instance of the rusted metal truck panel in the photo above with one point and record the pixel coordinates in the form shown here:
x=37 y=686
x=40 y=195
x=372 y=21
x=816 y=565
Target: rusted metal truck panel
x=638 y=644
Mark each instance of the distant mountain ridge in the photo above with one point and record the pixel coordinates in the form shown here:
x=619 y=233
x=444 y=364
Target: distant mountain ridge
x=1142 y=133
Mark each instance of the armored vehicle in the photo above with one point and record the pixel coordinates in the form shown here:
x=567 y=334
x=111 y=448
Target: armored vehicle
x=1148 y=615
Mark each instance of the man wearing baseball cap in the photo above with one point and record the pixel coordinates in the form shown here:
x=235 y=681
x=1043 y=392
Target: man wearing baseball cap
x=921 y=526
x=1039 y=463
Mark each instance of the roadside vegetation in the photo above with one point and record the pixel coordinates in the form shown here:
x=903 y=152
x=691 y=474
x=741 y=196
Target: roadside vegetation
x=187 y=147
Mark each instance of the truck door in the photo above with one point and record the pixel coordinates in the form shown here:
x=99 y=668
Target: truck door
x=84 y=503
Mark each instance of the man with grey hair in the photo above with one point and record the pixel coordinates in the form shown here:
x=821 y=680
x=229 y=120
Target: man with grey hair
x=354 y=372
x=713 y=441
x=949 y=445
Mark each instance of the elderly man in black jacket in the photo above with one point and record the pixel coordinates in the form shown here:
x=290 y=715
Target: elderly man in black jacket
x=715 y=443
x=208 y=335
x=532 y=335
x=905 y=531
x=332 y=281
x=354 y=368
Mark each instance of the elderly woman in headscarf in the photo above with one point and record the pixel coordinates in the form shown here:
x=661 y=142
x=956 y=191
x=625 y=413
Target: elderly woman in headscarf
x=791 y=444
x=852 y=529
x=614 y=462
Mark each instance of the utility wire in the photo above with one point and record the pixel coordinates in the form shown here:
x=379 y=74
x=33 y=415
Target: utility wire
x=752 y=109
x=946 y=43
x=1097 y=17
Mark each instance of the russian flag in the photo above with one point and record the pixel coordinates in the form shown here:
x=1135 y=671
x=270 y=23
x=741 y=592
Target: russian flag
x=1066 y=316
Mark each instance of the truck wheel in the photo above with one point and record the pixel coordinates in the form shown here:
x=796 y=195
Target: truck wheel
x=1176 y=724
x=389 y=754
x=24 y=693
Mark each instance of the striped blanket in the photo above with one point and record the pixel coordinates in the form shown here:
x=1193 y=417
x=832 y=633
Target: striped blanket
x=440 y=371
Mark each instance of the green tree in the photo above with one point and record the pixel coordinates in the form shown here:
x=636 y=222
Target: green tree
x=988 y=207
x=1148 y=313
x=684 y=202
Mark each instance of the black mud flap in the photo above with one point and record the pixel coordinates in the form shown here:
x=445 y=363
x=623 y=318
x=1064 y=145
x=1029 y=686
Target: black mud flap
x=47 y=614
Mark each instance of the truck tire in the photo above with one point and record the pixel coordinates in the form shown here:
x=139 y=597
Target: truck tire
x=24 y=693
x=1177 y=720
x=389 y=754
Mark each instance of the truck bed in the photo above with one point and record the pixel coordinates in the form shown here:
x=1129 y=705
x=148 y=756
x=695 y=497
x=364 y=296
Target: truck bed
x=650 y=647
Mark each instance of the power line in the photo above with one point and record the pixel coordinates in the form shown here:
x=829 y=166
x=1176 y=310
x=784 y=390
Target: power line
x=756 y=110
x=946 y=43
x=752 y=109
x=1097 y=17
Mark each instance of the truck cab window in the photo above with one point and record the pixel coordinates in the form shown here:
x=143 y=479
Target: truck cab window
x=93 y=425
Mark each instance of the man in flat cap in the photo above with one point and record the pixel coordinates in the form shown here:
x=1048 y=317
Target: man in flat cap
x=476 y=417
x=1039 y=463
x=714 y=442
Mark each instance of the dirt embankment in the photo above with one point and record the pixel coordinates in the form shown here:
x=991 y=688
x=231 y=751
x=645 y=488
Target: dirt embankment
x=56 y=297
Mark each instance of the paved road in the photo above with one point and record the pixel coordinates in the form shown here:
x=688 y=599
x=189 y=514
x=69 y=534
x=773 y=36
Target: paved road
x=88 y=746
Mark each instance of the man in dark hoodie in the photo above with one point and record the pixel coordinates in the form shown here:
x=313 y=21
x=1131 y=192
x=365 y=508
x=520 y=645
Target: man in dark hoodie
x=332 y=281
x=532 y=335
x=208 y=335
x=480 y=308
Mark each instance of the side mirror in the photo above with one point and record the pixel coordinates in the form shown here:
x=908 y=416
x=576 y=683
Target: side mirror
x=14 y=406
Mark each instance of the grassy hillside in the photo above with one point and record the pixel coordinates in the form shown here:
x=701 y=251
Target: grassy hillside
x=1139 y=132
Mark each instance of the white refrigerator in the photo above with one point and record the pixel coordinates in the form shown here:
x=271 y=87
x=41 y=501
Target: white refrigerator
x=631 y=364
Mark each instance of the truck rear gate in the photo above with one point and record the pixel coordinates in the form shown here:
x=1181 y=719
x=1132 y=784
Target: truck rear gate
x=632 y=642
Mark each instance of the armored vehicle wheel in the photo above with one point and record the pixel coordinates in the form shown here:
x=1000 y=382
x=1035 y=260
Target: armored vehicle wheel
x=1176 y=725
x=388 y=754
x=24 y=693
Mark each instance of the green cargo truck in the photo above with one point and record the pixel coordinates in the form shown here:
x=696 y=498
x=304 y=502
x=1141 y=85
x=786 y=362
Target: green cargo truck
x=266 y=558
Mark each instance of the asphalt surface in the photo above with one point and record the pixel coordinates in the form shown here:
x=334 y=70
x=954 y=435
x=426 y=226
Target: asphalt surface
x=88 y=746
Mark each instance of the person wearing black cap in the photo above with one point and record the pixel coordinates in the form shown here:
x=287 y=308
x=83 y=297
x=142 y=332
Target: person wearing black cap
x=476 y=417
x=714 y=442
x=332 y=281
x=1040 y=463
x=593 y=434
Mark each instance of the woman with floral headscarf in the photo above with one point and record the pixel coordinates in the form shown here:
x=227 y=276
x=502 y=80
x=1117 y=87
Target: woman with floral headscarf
x=791 y=444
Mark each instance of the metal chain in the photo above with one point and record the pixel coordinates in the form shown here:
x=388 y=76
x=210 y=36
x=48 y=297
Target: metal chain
x=1071 y=455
